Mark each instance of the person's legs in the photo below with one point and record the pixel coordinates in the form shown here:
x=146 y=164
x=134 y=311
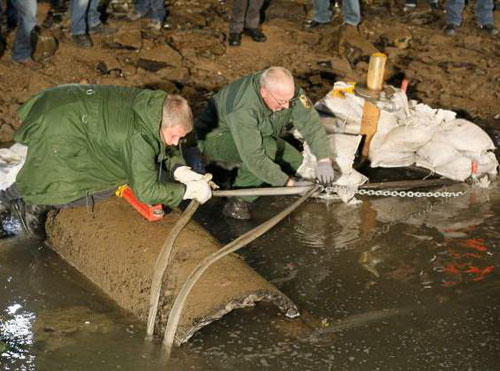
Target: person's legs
x=454 y=9
x=252 y=18
x=237 y=21
x=158 y=11
x=141 y=8
x=93 y=15
x=26 y=10
x=484 y=12
x=322 y=13
x=78 y=16
x=352 y=12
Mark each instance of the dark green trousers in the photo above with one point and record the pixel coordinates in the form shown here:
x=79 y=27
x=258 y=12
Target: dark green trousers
x=221 y=147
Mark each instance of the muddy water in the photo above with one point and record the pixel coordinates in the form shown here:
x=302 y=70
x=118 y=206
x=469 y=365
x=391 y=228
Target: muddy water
x=387 y=284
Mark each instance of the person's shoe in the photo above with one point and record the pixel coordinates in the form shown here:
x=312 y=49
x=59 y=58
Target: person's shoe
x=82 y=41
x=102 y=29
x=234 y=39
x=134 y=17
x=410 y=4
x=435 y=5
x=155 y=25
x=237 y=209
x=255 y=34
x=29 y=63
x=489 y=28
x=313 y=24
x=450 y=29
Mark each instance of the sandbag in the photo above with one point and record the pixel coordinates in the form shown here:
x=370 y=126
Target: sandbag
x=344 y=147
x=436 y=153
x=465 y=136
x=392 y=159
x=459 y=168
x=11 y=161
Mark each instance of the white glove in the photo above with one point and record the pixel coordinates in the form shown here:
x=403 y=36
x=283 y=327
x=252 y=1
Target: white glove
x=199 y=190
x=184 y=174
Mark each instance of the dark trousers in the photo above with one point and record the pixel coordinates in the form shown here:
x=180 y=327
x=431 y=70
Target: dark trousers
x=246 y=14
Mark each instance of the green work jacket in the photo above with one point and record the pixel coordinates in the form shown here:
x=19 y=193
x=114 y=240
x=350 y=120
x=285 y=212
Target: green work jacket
x=84 y=139
x=240 y=111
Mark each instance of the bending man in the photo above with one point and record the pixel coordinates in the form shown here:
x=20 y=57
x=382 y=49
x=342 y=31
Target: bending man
x=243 y=123
x=86 y=140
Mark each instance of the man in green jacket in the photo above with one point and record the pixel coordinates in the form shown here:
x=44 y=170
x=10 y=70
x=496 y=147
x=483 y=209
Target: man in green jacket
x=86 y=140
x=243 y=123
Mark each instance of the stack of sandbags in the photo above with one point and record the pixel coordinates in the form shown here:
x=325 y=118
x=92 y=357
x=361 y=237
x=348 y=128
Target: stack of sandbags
x=410 y=133
x=11 y=161
x=458 y=149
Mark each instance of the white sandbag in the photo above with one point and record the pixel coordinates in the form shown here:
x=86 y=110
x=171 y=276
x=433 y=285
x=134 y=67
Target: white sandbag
x=344 y=147
x=406 y=138
x=459 y=169
x=309 y=164
x=487 y=164
x=392 y=159
x=343 y=103
x=387 y=122
x=434 y=154
x=11 y=161
x=465 y=136
x=354 y=179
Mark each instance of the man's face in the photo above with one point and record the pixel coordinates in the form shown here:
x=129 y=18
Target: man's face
x=278 y=97
x=172 y=134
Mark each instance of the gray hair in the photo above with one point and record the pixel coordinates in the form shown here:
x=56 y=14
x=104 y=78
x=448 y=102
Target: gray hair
x=275 y=76
x=176 y=111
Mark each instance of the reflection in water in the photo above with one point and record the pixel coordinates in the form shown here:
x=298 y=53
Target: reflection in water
x=388 y=284
x=16 y=339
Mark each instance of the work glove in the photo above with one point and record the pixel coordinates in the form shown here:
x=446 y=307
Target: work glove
x=184 y=174
x=199 y=190
x=324 y=173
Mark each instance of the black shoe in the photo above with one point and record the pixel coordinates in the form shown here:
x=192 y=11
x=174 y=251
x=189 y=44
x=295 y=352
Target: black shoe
x=234 y=39
x=491 y=29
x=237 y=209
x=255 y=34
x=435 y=5
x=450 y=29
x=410 y=4
x=313 y=24
x=102 y=29
x=82 y=41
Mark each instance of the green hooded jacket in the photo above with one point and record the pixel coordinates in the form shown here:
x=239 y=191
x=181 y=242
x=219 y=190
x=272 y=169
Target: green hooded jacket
x=84 y=139
x=238 y=110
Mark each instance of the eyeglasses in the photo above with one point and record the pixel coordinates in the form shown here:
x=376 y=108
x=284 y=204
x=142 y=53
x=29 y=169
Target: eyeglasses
x=282 y=102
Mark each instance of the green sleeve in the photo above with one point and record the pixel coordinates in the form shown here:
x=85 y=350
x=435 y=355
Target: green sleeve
x=174 y=160
x=306 y=120
x=139 y=162
x=248 y=140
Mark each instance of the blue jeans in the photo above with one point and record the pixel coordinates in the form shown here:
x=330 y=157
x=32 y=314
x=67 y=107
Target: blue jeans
x=350 y=9
x=153 y=9
x=483 y=12
x=26 y=21
x=83 y=13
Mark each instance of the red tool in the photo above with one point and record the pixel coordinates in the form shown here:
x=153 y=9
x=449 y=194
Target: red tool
x=151 y=213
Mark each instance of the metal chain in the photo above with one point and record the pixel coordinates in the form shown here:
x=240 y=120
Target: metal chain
x=385 y=193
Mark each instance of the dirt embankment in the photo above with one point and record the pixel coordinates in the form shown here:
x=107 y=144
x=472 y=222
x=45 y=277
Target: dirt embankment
x=460 y=73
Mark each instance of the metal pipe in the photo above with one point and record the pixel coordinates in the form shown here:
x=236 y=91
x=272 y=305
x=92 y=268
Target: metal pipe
x=268 y=191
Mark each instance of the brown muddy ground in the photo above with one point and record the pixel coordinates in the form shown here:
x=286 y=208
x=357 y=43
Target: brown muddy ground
x=460 y=73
